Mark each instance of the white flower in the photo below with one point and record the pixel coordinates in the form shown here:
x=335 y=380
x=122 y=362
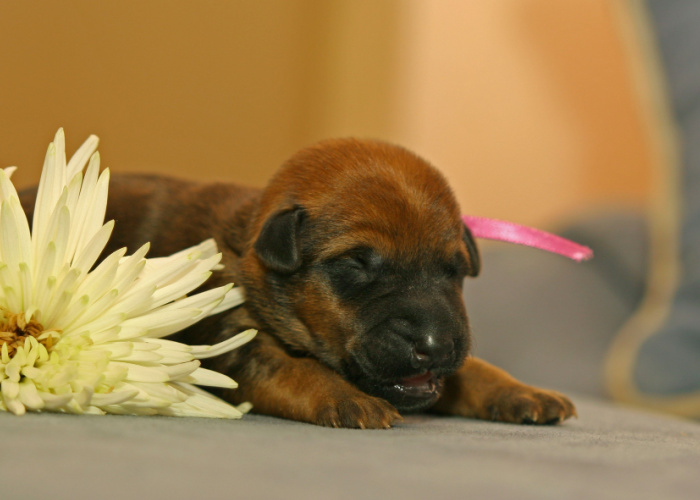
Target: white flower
x=83 y=339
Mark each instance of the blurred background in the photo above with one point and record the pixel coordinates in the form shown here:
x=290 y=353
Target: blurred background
x=528 y=106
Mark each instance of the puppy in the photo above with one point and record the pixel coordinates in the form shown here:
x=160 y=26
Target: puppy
x=352 y=260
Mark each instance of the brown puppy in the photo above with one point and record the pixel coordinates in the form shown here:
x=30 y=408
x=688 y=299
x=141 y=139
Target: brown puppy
x=352 y=260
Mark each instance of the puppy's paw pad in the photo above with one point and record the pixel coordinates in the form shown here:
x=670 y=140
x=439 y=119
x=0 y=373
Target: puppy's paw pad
x=530 y=405
x=359 y=412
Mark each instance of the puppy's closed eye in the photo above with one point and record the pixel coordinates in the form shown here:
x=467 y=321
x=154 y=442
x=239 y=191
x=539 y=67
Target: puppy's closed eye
x=354 y=270
x=355 y=262
x=363 y=258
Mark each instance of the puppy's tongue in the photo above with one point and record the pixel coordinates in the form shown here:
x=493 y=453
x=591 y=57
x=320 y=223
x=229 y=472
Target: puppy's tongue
x=417 y=380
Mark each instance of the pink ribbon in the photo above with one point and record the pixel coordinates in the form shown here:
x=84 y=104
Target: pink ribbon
x=493 y=229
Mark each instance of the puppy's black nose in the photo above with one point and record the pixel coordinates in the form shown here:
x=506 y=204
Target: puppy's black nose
x=428 y=351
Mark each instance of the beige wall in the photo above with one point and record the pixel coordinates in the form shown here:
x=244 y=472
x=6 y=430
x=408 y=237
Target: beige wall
x=526 y=105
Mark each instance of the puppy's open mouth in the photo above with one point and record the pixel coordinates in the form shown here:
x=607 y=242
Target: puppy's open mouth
x=419 y=386
x=411 y=394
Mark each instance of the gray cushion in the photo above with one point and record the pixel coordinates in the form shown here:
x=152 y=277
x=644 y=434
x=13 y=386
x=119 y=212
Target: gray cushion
x=549 y=321
x=654 y=359
x=668 y=361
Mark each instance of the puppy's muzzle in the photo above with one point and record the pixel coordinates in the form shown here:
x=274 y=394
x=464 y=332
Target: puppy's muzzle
x=430 y=343
x=430 y=351
x=405 y=356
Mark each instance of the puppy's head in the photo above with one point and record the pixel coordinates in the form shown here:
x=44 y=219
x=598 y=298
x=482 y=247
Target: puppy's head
x=357 y=257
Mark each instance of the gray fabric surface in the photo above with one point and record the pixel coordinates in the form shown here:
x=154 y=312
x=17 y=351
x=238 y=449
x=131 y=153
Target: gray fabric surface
x=608 y=453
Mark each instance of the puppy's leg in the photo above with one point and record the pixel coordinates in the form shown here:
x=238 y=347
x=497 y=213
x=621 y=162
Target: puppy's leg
x=303 y=389
x=480 y=390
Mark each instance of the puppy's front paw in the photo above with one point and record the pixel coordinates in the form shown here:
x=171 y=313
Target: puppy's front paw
x=359 y=411
x=523 y=404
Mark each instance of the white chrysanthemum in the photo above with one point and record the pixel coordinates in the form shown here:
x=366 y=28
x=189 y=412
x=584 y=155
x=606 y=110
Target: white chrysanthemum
x=91 y=341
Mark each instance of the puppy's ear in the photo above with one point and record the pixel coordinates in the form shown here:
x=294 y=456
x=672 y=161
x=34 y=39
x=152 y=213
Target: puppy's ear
x=278 y=246
x=474 y=258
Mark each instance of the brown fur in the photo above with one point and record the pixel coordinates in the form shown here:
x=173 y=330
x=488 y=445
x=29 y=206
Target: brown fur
x=324 y=344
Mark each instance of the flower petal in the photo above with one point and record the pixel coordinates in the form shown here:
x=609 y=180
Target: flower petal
x=7 y=189
x=9 y=237
x=9 y=171
x=54 y=401
x=163 y=322
x=233 y=298
x=143 y=373
x=29 y=396
x=101 y=279
x=166 y=392
x=181 y=370
x=209 y=351
x=84 y=202
x=209 y=378
x=81 y=156
x=95 y=217
x=203 y=404
x=86 y=258
x=113 y=398
x=44 y=204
